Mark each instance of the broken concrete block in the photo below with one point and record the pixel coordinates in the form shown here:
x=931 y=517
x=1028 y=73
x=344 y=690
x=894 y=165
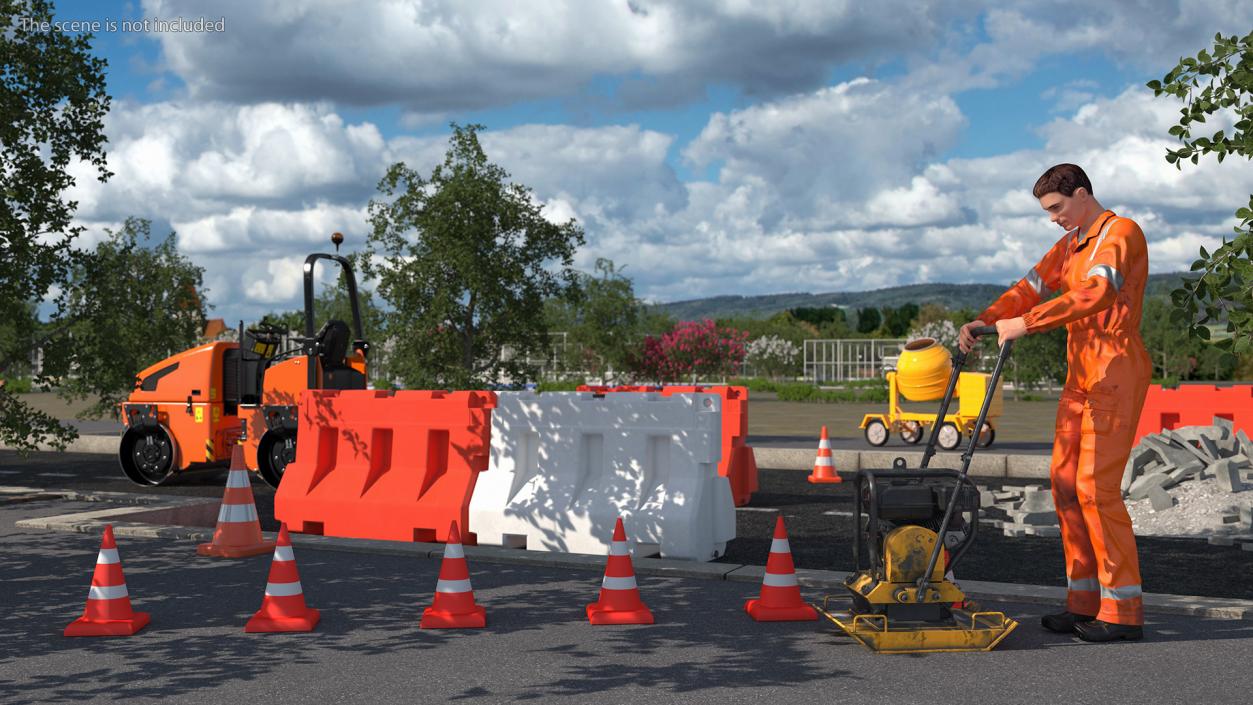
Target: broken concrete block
x=1160 y=499
x=1225 y=424
x=1246 y=516
x=1211 y=448
x=1034 y=518
x=1246 y=446
x=1140 y=488
x=1171 y=453
x=1221 y=541
x=1228 y=476
x=1053 y=531
x=1141 y=458
x=1241 y=461
x=1231 y=518
x=1014 y=530
x=1182 y=473
x=1038 y=501
x=1188 y=441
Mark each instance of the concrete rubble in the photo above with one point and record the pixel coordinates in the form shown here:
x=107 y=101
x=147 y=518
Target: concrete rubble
x=1195 y=481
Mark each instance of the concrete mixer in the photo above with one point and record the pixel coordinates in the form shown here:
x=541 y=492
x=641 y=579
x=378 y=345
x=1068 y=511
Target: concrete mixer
x=922 y=374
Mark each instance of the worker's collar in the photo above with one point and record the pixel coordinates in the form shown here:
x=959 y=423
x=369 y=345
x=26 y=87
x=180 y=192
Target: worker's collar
x=1093 y=229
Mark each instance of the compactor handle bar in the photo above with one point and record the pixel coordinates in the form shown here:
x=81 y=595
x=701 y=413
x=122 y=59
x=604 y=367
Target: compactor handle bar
x=993 y=381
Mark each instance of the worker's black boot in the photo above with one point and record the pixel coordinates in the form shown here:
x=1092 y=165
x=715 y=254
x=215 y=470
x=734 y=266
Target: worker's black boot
x=1064 y=622
x=1098 y=631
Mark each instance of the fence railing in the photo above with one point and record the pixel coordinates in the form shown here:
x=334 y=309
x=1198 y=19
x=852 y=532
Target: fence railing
x=840 y=360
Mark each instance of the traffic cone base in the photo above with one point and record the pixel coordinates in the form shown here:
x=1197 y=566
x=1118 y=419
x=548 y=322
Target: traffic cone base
x=216 y=551
x=780 y=599
x=454 y=606
x=304 y=623
x=110 y=627
x=238 y=532
x=432 y=618
x=619 y=601
x=108 y=610
x=598 y=614
x=824 y=464
x=795 y=613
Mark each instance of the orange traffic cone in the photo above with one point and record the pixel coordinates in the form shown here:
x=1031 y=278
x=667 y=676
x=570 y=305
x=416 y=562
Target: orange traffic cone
x=238 y=534
x=108 y=611
x=454 y=606
x=619 y=595
x=824 y=466
x=780 y=599
x=283 y=608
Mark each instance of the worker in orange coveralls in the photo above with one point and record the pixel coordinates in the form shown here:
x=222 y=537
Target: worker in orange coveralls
x=1100 y=267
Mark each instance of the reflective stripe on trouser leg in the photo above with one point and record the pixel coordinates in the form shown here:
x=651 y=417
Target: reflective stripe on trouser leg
x=1082 y=597
x=1108 y=430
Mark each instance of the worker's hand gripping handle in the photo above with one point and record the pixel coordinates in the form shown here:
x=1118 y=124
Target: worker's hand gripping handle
x=982 y=331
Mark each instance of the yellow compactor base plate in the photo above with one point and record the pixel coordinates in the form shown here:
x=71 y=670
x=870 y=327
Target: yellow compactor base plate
x=982 y=632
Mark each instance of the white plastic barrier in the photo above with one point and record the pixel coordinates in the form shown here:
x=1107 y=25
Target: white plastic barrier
x=565 y=465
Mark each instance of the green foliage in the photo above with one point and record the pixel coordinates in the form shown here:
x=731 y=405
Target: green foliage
x=563 y=385
x=809 y=393
x=819 y=317
x=466 y=262
x=1222 y=287
x=1038 y=360
x=52 y=108
x=124 y=306
x=868 y=320
x=896 y=321
x=603 y=320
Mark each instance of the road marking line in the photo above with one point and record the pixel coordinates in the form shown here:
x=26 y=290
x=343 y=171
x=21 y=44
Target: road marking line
x=837 y=513
x=56 y=474
x=756 y=509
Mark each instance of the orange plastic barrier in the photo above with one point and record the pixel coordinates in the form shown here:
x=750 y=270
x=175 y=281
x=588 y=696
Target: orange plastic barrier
x=738 y=464
x=399 y=466
x=1196 y=405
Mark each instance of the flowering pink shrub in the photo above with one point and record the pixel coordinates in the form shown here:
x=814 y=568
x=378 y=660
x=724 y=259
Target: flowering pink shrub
x=692 y=350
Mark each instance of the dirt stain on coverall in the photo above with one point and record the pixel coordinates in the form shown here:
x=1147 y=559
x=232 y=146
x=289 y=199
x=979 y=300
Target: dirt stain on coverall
x=1101 y=275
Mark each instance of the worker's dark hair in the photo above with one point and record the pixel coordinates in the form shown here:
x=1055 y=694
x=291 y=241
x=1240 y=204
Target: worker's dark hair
x=1064 y=179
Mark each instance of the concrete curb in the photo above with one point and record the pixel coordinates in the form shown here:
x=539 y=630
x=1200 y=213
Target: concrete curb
x=982 y=465
x=133 y=521
x=850 y=461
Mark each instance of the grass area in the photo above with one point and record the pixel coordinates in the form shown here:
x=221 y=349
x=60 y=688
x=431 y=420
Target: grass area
x=1022 y=420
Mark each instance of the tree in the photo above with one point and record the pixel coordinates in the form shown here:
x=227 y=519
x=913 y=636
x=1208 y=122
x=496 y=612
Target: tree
x=1172 y=349
x=124 y=306
x=773 y=356
x=602 y=318
x=1038 y=359
x=868 y=320
x=1224 y=286
x=52 y=108
x=692 y=350
x=466 y=261
x=896 y=321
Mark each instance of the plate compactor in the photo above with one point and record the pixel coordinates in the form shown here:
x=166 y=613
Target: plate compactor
x=911 y=527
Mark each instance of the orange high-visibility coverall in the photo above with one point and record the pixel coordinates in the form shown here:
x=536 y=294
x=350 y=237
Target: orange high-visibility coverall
x=1101 y=274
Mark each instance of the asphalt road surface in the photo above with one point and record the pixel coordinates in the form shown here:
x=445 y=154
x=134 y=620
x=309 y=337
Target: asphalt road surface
x=537 y=646
x=819 y=522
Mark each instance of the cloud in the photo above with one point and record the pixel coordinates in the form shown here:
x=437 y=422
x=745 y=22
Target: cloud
x=443 y=55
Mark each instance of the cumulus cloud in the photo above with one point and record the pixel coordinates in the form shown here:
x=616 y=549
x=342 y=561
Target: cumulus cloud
x=439 y=55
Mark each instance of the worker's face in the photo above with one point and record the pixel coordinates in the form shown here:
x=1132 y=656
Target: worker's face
x=1066 y=211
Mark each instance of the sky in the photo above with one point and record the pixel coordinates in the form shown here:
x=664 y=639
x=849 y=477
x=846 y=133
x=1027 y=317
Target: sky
x=707 y=148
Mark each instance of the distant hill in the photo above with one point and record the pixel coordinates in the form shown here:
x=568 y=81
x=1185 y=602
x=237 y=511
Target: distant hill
x=951 y=296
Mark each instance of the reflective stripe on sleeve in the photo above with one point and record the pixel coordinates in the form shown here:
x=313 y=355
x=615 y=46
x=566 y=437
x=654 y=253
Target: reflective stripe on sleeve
x=1083 y=584
x=1125 y=592
x=1111 y=274
x=106 y=592
x=1037 y=282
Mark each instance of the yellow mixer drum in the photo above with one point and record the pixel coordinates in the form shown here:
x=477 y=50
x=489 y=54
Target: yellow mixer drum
x=923 y=370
